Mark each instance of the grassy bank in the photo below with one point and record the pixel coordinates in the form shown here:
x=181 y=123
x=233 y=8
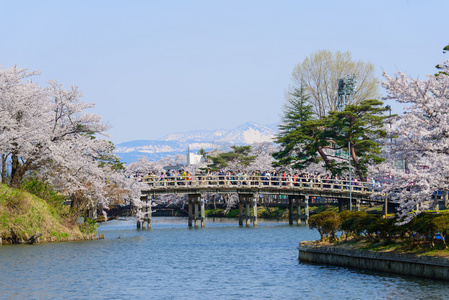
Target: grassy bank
x=23 y=215
x=397 y=247
x=425 y=234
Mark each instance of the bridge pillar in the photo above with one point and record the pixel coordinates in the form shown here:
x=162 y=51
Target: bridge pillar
x=240 y=210
x=195 y=206
x=290 y=209
x=146 y=222
x=248 y=212
x=190 y=199
x=254 y=200
x=149 y=215
x=196 y=202
x=247 y=200
x=357 y=204
x=294 y=201
x=306 y=210
x=203 y=211
x=305 y=216
x=298 y=211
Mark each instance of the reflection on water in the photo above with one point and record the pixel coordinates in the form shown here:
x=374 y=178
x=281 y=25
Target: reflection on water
x=220 y=261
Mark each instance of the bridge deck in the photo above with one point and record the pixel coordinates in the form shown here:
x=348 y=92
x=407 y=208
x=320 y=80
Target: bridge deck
x=259 y=185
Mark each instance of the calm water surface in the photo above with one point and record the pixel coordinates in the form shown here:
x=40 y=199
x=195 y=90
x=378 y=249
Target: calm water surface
x=172 y=261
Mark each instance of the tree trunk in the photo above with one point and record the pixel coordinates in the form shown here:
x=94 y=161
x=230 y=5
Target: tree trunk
x=3 y=168
x=354 y=158
x=327 y=162
x=16 y=172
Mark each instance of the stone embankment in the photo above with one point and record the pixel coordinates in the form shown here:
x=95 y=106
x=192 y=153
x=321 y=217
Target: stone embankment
x=62 y=239
x=404 y=264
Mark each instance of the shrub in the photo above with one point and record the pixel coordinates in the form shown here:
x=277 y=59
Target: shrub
x=350 y=221
x=327 y=223
x=44 y=191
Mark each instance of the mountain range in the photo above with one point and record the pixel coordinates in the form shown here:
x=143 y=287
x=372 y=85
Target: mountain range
x=179 y=143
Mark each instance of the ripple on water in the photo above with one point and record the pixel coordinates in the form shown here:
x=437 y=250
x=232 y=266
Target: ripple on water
x=221 y=261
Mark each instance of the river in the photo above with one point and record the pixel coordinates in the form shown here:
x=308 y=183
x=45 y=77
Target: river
x=172 y=261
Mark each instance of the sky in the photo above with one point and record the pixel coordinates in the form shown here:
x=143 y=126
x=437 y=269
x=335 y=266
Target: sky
x=158 y=67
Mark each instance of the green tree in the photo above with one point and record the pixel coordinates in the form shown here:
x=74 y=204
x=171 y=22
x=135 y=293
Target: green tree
x=239 y=157
x=304 y=145
x=299 y=134
x=358 y=124
x=296 y=109
x=327 y=223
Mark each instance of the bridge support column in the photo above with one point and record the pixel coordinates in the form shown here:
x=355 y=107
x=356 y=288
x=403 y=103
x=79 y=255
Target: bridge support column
x=203 y=212
x=357 y=205
x=196 y=202
x=254 y=200
x=145 y=220
x=248 y=212
x=190 y=199
x=146 y=210
x=340 y=204
x=298 y=211
x=290 y=209
x=146 y=223
x=294 y=201
x=247 y=200
x=305 y=216
x=240 y=210
x=195 y=206
x=150 y=214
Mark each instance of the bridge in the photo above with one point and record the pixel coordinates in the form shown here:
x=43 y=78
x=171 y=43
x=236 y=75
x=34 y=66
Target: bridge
x=249 y=188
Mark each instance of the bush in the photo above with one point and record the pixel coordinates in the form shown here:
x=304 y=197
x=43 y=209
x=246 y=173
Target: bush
x=350 y=222
x=327 y=223
x=89 y=226
x=44 y=191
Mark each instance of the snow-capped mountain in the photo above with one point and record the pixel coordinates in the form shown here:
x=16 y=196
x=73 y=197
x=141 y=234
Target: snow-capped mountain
x=178 y=143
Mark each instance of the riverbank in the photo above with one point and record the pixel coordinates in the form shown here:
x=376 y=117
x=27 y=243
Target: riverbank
x=26 y=218
x=356 y=256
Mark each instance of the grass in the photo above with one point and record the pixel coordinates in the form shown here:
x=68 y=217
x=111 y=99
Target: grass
x=23 y=214
x=396 y=246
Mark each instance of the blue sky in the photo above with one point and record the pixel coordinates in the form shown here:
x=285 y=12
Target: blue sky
x=159 y=67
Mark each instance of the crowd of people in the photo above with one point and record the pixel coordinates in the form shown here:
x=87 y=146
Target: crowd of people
x=242 y=177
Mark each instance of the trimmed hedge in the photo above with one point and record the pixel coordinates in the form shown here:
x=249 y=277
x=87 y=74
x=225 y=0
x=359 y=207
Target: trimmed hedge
x=426 y=227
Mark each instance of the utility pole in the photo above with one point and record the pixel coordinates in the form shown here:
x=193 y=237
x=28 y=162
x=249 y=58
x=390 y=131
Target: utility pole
x=350 y=180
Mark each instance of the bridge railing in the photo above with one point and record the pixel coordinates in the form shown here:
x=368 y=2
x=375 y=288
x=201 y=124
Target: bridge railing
x=233 y=181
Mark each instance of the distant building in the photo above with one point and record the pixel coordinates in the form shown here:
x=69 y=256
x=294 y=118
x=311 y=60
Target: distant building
x=192 y=158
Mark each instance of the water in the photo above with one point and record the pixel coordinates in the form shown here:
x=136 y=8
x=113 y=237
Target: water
x=172 y=261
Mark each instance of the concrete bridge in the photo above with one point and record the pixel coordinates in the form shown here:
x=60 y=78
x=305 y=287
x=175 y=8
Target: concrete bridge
x=249 y=188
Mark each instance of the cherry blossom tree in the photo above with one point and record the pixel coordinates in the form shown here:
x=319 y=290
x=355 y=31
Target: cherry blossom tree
x=48 y=131
x=422 y=140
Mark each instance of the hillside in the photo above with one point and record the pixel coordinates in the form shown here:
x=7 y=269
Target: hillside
x=23 y=215
x=178 y=143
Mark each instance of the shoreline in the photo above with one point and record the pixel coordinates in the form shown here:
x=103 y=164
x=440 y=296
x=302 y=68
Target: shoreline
x=41 y=240
x=404 y=264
